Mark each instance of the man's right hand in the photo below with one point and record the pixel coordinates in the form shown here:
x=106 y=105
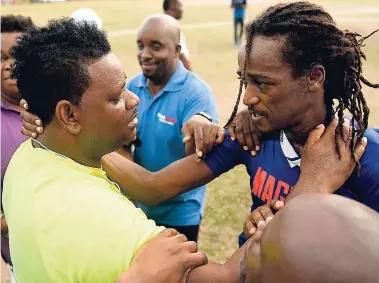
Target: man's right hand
x=168 y=257
x=322 y=170
x=31 y=124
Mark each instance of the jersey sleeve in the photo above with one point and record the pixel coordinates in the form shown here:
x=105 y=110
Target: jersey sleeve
x=368 y=190
x=225 y=156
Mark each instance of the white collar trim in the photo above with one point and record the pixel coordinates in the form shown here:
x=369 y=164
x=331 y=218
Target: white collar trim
x=289 y=152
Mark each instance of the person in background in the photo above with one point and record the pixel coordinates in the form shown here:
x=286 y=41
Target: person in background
x=12 y=26
x=87 y=14
x=169 y=95
x=174 y=8
x=238 y=7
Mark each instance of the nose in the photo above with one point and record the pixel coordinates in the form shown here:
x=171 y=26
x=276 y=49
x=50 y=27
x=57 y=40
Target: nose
x=6 y=65
x=251 y=97
x=145 y=54
x=131 y=100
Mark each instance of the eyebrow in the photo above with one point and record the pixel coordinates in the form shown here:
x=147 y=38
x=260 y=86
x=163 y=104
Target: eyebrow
x=156 y=42
x=254 y=76
x=257 y=76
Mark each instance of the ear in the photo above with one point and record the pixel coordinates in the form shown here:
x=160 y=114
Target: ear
x=178 y=48
x=67 y=115
x=316 y=78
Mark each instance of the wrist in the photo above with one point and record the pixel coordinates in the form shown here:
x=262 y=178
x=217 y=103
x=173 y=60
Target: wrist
x=205 y=115
x=308 y=185
x=130 y=276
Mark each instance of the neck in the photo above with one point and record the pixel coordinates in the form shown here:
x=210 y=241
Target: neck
x=66 y=145
x=156 y=86
x=11 y=101
x=298 y=134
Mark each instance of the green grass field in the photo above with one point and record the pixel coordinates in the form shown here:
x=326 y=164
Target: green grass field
x=214 y=59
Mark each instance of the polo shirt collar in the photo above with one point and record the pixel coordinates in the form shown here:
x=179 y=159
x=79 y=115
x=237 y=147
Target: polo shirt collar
x=175 y=82
x=289 y=151
x=8 y=107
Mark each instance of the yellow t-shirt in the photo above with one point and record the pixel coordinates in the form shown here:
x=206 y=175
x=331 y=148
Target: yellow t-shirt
x=68 y=222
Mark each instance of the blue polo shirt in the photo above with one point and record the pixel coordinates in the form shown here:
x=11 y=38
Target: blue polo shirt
x=239 y=12
x=276 y=169
x=160 y=122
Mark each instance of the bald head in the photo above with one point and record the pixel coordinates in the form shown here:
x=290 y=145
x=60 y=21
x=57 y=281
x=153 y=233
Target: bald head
x=158 y=42
x=321 y=238
x=168 y=26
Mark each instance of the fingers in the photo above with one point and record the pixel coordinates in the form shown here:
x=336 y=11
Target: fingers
x=266 y=213
x=260 y=216
x=186 y=133
x=180 y=238
x=248 y=138
x=196 y=259
x=315 y=135
x=206 y=140
x=27 y=133
x=254 y=131
x=231 y=131
x=330 y=130
x=199 y=141
x=239 y=134
x=189 y=148
x=346 y=133
x=24 y=104
x=220 y=135
x=360 y=148
x=190 y=246
x=277 y=204
x=212 y=138
x=249 y=228
x=32 y=126
x=30 y=118
x=168 y=233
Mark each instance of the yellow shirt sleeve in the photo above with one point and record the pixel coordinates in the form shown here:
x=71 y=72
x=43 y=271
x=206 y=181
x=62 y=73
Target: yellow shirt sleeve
x=94 y=244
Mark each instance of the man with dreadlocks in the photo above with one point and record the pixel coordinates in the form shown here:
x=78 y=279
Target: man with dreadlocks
x=295 y=63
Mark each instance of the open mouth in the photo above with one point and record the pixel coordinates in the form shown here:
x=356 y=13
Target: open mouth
x=257 y=115
x=134 y=122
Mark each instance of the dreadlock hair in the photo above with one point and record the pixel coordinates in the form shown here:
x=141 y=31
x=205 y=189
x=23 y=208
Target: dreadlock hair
x=16 y=23
x=312 y=38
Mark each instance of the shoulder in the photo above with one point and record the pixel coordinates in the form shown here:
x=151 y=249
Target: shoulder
x=135 y=81
x=196 y=85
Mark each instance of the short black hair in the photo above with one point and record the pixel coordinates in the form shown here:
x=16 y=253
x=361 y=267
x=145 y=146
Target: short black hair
x=16 y=23
x=51 y=63
x=167 y=4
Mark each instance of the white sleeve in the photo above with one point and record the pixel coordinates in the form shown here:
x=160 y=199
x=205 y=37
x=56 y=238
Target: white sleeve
x=183 y=44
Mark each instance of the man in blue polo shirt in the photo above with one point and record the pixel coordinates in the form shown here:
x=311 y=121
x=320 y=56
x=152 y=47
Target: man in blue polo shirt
x=169 y=96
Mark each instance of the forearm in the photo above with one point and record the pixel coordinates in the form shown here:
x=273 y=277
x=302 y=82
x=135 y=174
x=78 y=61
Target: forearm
x=153 y=188
x=131 y=276
x=229 y=272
